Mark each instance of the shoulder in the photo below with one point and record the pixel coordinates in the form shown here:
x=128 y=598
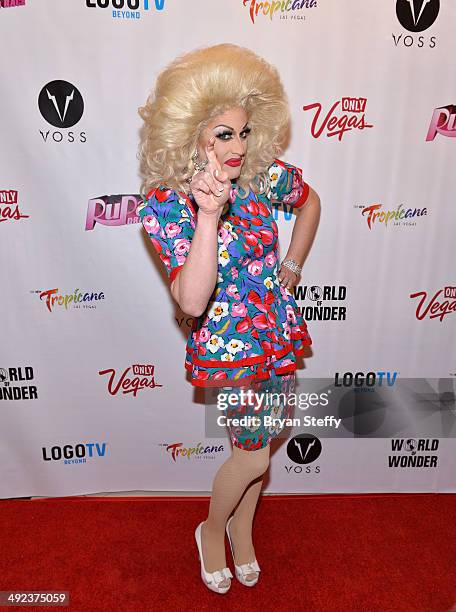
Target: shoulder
x=282 y=175
x=279 y=166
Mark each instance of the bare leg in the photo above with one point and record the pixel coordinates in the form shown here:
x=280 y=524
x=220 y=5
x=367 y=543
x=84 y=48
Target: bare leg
x=230 y=483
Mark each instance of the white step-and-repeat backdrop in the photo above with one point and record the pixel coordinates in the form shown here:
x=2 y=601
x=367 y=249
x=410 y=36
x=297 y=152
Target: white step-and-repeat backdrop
x=94 y=394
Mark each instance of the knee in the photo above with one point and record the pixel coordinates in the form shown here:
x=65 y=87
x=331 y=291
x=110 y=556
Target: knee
x=260 y=463
x=254 y=463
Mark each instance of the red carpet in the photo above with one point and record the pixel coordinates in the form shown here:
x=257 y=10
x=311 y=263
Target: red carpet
x=317 y=553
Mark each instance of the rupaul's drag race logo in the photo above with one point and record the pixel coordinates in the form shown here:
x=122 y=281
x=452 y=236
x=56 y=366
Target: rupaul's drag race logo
x=284 y=9
x=11 y=3
x=126 y=9
x=441 y=304
x=177 y=450
x=113 y=210
x=374 y=214
x=344 y=116
x=443 y=122
x=133 y=379
x=53 y=299
x=9 y=206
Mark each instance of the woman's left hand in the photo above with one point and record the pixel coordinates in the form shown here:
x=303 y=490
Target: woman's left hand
x=287 y=277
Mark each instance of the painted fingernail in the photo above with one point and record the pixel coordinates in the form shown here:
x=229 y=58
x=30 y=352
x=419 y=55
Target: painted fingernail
x=216 y=172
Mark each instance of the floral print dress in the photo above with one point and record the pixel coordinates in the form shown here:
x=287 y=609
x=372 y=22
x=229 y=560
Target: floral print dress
x=251 y=330
x=251 y=324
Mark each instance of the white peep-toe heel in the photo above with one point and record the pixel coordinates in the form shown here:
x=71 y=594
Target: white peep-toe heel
x=243 y=570
x=211 y=579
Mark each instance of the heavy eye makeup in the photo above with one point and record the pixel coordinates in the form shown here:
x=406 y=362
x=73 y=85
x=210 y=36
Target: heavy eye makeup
x=227 y=134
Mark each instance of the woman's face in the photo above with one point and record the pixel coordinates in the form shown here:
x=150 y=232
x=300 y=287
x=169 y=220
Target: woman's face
x=231 y=132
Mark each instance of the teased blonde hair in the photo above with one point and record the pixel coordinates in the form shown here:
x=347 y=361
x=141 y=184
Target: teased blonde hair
x=194 y=88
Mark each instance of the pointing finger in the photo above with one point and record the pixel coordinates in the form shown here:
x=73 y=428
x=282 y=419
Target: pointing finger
x=210 y=153
x=221 y=175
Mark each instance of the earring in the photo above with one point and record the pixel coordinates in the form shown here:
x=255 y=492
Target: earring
x=198 y=167
x=198 y=164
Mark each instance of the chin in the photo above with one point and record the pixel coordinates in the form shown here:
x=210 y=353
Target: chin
x=233 y=171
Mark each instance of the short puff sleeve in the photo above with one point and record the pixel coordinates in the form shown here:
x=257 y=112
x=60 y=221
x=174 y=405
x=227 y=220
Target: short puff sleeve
x=169 y=218
x=287 y=184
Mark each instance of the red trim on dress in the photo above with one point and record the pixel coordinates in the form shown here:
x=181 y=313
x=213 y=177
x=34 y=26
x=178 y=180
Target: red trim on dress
x=305 y=187
x=303 y=336
x=174 y=272
x=281 y=163
x=263 y=372
x=227 y=382
x=303 y=197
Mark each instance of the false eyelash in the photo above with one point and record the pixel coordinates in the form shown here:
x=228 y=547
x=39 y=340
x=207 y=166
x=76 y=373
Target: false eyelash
x=228 y=133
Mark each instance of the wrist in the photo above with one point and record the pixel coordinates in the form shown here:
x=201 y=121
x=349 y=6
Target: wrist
x=209 y=216
x=292 y=265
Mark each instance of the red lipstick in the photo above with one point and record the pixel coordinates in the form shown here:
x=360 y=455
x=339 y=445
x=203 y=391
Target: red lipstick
x=234 y=161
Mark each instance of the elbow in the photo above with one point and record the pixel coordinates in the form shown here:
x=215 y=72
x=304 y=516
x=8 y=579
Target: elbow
x=194 y=308
x=314 y=198
x=193 y=311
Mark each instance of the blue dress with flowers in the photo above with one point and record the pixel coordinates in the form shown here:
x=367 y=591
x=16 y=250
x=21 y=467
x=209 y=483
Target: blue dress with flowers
x=251 y=328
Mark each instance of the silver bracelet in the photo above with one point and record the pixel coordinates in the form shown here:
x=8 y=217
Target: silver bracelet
x=293 y=265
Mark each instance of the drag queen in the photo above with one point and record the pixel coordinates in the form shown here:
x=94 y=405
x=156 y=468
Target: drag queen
x=214 y=129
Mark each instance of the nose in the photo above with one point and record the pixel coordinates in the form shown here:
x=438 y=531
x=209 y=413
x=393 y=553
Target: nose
x=238 y=145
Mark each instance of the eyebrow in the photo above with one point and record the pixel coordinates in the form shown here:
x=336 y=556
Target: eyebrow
x=229 y=127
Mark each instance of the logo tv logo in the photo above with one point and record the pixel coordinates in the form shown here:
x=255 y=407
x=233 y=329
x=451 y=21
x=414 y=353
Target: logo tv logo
x=133 y=5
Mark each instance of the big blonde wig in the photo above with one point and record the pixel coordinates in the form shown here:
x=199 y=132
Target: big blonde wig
x=194 y=88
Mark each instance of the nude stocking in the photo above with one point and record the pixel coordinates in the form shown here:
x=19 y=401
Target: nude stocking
x=230 y=482
x=242 y=523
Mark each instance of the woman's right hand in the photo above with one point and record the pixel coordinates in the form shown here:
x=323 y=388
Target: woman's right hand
x=211 y=187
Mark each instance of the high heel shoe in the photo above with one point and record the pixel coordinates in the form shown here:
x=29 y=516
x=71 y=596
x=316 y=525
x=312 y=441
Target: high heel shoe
x=246 y=568
x=211 y=579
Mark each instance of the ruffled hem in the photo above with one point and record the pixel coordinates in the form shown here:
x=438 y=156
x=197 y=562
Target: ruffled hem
x=216 y=373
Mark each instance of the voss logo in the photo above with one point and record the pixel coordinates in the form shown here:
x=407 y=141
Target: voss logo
x=416 y=16
x=61 y=105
